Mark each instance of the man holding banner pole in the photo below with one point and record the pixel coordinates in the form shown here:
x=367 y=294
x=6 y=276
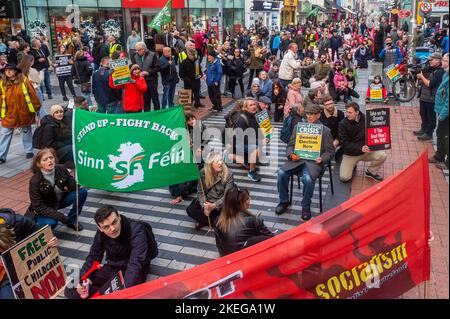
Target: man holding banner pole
x=309 y=168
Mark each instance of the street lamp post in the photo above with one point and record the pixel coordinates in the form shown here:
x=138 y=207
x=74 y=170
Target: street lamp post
x=412 y=36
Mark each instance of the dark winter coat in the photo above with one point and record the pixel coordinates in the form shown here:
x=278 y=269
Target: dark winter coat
x=44 y=201
x=100 y=87
x=149 y=63
x=53 y=134
x=332 y=122
x=168 y=71
x=236 y=68
x=326 y=153
x=22 y=226
x=352 y=135
x=241 y=234
x=129 y=252
x=188 y=73
x=83 y=69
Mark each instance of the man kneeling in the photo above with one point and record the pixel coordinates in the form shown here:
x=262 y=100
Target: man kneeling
x=309 y=169
x=129 y=246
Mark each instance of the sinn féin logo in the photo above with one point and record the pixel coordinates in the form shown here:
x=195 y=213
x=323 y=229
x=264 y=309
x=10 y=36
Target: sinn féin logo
x=127 y=165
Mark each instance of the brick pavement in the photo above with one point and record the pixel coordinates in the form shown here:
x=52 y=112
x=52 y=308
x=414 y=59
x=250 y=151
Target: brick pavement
x=405 y=149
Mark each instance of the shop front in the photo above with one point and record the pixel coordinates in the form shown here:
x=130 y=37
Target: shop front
x=440 y=13
x=289 y=12
x=10 y=16
x=54 y=17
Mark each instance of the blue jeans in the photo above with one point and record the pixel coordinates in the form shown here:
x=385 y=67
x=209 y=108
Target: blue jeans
x=67 y=200
x=6 y=290
x=47 y=84
x=6 y=135
x=110 y=108
x=168 y=95
x=283 y=178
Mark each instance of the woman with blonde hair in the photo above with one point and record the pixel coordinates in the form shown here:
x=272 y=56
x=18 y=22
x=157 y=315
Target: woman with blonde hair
x=215 y=180
x=236 y=227
x=294 y=95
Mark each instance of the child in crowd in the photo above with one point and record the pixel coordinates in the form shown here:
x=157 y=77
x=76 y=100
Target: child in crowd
x=273 y=73
x=269 y=62
x=377 y=84
x=341 y=84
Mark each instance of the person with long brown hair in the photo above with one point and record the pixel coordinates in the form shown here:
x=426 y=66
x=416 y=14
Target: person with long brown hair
x=237 y=227
x=19 y=105
x=215 y=179
x=51 y=189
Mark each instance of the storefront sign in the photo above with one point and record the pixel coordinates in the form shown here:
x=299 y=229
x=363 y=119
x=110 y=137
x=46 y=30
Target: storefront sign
x=265 y=6
x=378 y=133
x=440 y=7
x=264 y=123
x=121 y=74
x=308 y=140
x=157 y=4
x=10 y=9
x=290 y=3
x=404 y=14
x=35 y=270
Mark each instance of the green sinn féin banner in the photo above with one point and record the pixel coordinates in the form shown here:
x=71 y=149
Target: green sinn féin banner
x=131 y=152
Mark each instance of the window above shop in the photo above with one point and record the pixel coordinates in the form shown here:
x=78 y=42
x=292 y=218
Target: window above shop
x=35 y=3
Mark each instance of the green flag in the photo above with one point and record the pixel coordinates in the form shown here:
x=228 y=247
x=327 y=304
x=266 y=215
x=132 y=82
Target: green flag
x=313 y=13
x=163 y=17
x=131 y=152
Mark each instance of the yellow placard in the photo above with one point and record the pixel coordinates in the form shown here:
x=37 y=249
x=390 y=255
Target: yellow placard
x=376 y=95
x=393 y=73
x=307 y=142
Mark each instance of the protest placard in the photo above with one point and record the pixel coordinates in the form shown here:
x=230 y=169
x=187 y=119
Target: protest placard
x=392 y=73
x=378 y=135
x=115 y=284
x=63 y=66
x=35 y=270
x=121 y=73
x=185 y=99
x=376 y=93
x=308 y=140
x=264 y=123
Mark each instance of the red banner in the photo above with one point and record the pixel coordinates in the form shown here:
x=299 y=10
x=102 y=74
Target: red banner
x=373 y=246
x=157 y=4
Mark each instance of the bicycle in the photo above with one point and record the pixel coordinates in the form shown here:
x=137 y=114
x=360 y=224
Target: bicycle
x=406 y=87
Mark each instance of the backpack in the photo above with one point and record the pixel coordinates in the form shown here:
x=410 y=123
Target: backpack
x=37 y=137
x=285 y=133
x=151 y=241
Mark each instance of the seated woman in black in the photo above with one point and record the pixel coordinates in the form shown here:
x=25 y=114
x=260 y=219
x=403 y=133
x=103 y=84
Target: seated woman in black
x=55 y=133
x=53 y=188
x=236 y=227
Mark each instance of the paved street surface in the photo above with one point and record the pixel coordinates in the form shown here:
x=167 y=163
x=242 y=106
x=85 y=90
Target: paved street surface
x=182 y=247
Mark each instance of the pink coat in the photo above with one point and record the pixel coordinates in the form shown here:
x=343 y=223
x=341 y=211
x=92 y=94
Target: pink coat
x=338 y=78
x=293 y=97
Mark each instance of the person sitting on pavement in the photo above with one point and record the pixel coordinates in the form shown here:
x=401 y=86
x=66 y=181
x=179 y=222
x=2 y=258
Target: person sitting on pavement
x=352 y=135
x=314 y=97
x=249 y=143
x=55 y=133
x=237 y=228
x=376 y=84
x=264 y=104
x=430 y=80
x=215 y=180
x=288 y=65
x=279 y=97
x=274 y=72
x=255 y=90
x=19 y=107
x=331 y=117
x=310 y=170
x=340 y=84
x=13 y=229
x=265 y=84
x=321 y=69
x=306 y=74
x=129 y=246
x=133 y=96
x=52 y=188
x=294 y=95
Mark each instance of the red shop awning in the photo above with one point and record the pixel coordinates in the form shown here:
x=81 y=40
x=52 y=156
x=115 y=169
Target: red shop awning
x=158 y=4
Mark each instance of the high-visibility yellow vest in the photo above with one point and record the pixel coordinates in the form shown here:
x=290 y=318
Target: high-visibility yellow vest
x=113 y=48
x=25 y=93
x=182 y=56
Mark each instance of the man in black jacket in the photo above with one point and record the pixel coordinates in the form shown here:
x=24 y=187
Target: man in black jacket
x=126 y=245
x=148 y=63
x=352 y=135
x=296 y=165
x=169 y=77
x=191 y=73
x=105 y=96
x=330 y=117
x=41 y=53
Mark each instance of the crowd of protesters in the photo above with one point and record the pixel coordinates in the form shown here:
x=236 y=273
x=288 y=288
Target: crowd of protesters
x=324 y=58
